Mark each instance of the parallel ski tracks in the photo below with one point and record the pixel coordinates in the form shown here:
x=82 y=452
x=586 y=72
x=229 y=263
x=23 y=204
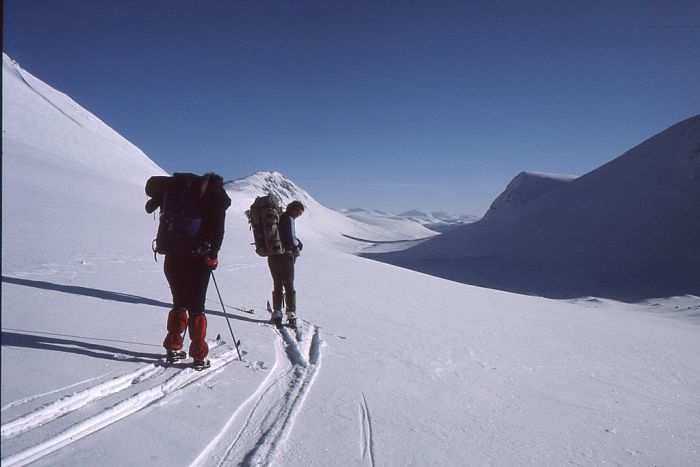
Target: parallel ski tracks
x=272 y=409
x=122 y=409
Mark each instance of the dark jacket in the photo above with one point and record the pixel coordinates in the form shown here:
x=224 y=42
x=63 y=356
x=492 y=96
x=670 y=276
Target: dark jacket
x=208 y=191
x=288 y=233
x=214 y=204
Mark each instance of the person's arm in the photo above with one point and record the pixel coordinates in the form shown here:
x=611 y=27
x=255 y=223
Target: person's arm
x=214 y=220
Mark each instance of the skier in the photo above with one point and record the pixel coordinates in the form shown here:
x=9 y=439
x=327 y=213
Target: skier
x=282 y=266
x=190 y=260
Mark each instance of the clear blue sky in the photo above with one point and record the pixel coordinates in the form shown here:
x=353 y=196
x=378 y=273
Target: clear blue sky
x=390 y=105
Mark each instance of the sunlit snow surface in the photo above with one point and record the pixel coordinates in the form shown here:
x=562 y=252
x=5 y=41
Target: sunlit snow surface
x=394 y=367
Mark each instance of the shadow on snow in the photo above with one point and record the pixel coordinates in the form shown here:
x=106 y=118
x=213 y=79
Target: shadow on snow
x=114 y=296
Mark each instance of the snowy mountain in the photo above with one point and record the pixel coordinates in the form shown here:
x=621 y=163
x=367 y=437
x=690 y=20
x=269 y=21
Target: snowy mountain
x=394 y=367
x=322 y=224
x=388 y=222
x=438 y=221
x=64 y=135
x=53 y=146
x=525 y=187
x=627 y=230
x=424 y=223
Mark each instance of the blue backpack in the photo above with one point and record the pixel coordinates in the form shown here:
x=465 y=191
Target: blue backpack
x=179 y=199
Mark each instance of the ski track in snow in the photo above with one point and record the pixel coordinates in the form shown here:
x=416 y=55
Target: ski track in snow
x=52 y=411
x=274 y=406
x=366 y=437
x=68 y=404
x=26 y=400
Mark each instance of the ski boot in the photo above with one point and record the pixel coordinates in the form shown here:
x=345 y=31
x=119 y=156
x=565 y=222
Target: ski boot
x=292 y=319
x=172 y=356
x=276 y=317
x=200 y=365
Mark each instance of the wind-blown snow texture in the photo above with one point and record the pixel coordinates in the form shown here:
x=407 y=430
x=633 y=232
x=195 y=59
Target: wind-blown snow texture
x=627 y=230
x=395 y=367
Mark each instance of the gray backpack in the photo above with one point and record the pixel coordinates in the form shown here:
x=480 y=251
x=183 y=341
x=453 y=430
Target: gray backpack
x=264 y=217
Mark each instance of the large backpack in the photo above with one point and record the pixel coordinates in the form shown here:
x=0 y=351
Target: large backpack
x=179 y=199
x=264 y=217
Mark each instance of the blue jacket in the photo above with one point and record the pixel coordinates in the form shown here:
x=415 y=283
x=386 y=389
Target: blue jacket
x=288 y=235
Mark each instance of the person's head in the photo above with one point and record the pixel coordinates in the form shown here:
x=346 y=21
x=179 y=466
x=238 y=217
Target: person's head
x=295 y=209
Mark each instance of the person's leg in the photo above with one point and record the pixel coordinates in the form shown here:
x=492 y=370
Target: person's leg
x=197 y=325
x=277 y=287
x=290 y=295
x=177 y=317
x=199 y=274
x=177 y=321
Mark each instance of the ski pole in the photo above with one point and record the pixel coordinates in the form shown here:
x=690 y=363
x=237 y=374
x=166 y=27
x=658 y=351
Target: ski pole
x=235 y=342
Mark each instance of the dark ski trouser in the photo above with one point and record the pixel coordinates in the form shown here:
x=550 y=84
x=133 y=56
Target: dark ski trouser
x=282 y=271
x=188 y=279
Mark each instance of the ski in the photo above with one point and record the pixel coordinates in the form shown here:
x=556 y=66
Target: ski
x=242 y=308
x=296 y=329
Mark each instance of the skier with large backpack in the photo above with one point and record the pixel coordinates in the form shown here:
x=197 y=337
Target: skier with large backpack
x=275 y=237
x=190 y=233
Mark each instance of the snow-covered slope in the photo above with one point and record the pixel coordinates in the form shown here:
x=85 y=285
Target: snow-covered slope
x=394 y=367
x=438 y=221
x=525 y=187
x=57 y=133
x=390 y=222
x=63 y=169
x=628 y=229
x=423 y=223
x=321 y=224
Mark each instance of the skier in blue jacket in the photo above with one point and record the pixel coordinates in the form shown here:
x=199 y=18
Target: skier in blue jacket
x=282 y=266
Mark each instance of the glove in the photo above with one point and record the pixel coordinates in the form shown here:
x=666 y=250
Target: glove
x=301 y=245
x=152 y=204
x=212 y=263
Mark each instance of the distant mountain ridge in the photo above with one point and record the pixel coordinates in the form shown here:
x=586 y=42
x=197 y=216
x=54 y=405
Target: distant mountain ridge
x=436 y=221
x=525 y=187
x=346 y=233
x=627 y=230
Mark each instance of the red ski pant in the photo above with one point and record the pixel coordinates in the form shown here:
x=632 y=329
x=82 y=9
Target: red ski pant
x=197 y=325
x=188 y=279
